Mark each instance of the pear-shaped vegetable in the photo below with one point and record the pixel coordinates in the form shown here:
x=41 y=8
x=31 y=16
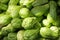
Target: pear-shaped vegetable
x=13 y=10
x=29 y=22
x=55 y=31
x=20 y=35
x=31 y=34
x=52 y=16
x=45 y=32
x=4 y=20
x=24 y=12
x=7 y=29
x=16 y=23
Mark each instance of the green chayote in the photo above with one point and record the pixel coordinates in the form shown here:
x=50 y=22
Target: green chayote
x=20 y=35
x=46 y=23
x=7 y=29
x=29 y=22
x=31 y=34
x=24 y=12
x=13 y=11
x=45 y=32
x=4 y=20
x=55 y=31
x=16 y=23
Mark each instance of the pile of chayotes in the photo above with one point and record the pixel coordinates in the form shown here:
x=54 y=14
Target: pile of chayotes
x=29 y=20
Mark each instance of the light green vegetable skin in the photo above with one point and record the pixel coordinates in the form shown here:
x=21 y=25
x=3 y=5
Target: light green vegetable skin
x=24 y=12
x=4 y=20
x=29 y=20
x=13 y=11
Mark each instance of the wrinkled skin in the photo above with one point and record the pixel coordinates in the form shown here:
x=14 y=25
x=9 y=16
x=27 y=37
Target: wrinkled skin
x=20 y=35
x=16 y=23
x=45 y=32
x=7 y=29
x=55 y=31
x=31 y=34
x=29 y=22
x=4 y=20
x=13 y=11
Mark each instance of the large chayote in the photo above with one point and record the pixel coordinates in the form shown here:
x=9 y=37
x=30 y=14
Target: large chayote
x=29 y=22
x=45 y=32
x=31 y=34
x=24 y=12
x=16 y=23
x=13 y=10
x=4 y=20
x=20 y=35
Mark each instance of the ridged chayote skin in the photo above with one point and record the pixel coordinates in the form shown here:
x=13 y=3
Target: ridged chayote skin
x=12 y=36
x=46 y=23
x=31 y=34
x=16 y=23
x=45 y=32
x=20 y=35
x=7 y=29
x=51 y=32
x=40 y=10
x=4 y=20
x=13 y=11
x=24 y=12
x=55 y=31
x=29 y=22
